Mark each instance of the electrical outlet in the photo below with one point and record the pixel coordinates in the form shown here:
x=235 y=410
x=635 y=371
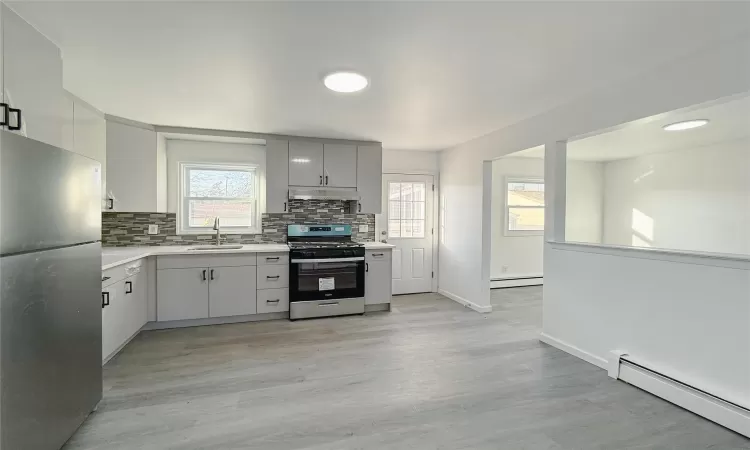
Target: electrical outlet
x=364 y=228
x=153 y=229
x=505 y=269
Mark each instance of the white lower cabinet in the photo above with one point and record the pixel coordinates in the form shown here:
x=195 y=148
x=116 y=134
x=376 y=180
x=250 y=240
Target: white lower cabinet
x=124 y=311
x=378 y=274
x=231 y=291
x=181 y=294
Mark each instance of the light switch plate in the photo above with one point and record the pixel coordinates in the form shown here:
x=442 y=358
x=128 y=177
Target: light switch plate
x=364 y=228
x=153 y=229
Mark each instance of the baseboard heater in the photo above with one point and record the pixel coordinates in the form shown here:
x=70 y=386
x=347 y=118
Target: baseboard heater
x=531 y=280
x=727 y=413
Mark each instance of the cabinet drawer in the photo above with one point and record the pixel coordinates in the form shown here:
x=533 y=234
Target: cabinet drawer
x=273 y=277
x=377 y=255
x=115 y=274
x=273 y=258
x=273 y=300
x=197 y=261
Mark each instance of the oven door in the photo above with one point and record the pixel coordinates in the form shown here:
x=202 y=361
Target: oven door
x=326 y=278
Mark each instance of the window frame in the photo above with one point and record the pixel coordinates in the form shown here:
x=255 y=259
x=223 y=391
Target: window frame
x=400 y=220
x=506 y=226
x=183 y=198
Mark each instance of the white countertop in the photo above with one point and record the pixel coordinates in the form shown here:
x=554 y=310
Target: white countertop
x=377 y=246
x=116 y=256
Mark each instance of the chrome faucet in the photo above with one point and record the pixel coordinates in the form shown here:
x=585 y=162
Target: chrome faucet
x=217 y=227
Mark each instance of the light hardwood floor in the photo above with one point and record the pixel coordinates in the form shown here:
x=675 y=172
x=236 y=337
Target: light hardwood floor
x=429 y=375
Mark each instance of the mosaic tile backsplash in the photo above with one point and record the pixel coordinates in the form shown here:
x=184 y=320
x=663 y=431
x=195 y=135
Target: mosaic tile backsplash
x=124 y=229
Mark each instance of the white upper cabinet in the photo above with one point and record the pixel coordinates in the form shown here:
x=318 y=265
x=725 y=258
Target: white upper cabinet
x=370 y=178
x=132 y=169
x=340 y=165
x=277 y=176
x=32 y=80
x=305 y=163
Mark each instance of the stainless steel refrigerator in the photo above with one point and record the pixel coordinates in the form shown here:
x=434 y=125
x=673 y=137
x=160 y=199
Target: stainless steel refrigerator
x=50 y=293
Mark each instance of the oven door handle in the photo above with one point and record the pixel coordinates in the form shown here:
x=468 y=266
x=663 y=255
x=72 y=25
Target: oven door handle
x=328 y=260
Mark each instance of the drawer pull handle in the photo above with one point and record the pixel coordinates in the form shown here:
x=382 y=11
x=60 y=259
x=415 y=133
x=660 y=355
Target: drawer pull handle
x=377 y=255
x=212 y=275
x=204 y=275
x=272 y=278
x=328 y=304
x=128 y=287
x=273 y=259
x=272 y=301
x=105 y=299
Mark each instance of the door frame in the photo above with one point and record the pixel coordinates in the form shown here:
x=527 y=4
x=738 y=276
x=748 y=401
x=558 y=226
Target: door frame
x=435 y=216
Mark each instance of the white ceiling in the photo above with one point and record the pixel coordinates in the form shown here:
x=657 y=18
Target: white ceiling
x=729 y=121
x=441 y=72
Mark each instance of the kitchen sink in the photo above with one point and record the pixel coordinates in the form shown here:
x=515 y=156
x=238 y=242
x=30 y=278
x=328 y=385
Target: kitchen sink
x=217 y=247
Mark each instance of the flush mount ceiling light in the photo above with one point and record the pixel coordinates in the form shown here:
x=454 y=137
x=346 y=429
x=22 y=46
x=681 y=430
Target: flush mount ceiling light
x=345 y=82
x=686 y=125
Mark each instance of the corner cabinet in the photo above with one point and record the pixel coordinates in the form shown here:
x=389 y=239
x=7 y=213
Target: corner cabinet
x=370 y=179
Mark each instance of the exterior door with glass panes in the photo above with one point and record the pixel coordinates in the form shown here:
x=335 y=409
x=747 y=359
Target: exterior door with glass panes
x=407 y=223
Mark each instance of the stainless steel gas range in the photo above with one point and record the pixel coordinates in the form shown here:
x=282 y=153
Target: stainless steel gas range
x=326 y=271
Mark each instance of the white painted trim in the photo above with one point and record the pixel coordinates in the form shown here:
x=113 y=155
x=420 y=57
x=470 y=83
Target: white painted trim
x=129 y=122
x=511 y=283
x=253 y=135
x=704 y=405
x=515 y=276
x=685 y=257
x=215 y=321
x=573 y=350
x=463 y=301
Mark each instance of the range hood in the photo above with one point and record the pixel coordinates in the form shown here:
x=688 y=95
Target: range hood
x=323 y=194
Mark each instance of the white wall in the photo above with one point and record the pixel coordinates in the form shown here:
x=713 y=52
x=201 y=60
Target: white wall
x=404 y=161
x=211 y=152
x=716 y=72
x=688 y=318
x=585 y=195
x=693 y=199
x=522 y=255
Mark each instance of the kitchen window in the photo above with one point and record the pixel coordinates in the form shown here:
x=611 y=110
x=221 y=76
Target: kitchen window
x=229 y=192
x=524 y=207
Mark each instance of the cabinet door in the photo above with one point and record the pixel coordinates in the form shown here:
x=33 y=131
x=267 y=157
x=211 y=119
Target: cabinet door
x=305 y=163
x=136 y=306
x=32 y=79
x=131 y=167
x=370 y=178
x=232 y=291
x=378 y=282
x=340 y=165
x=277 y=176
x=90 y=136
x=181 y=294
x=111 y=319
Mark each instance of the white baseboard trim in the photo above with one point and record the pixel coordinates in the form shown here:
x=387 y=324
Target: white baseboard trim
x=573 y=350
x=518 y=282
x=723 y=413
x=215 y=321
x=463 y=301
